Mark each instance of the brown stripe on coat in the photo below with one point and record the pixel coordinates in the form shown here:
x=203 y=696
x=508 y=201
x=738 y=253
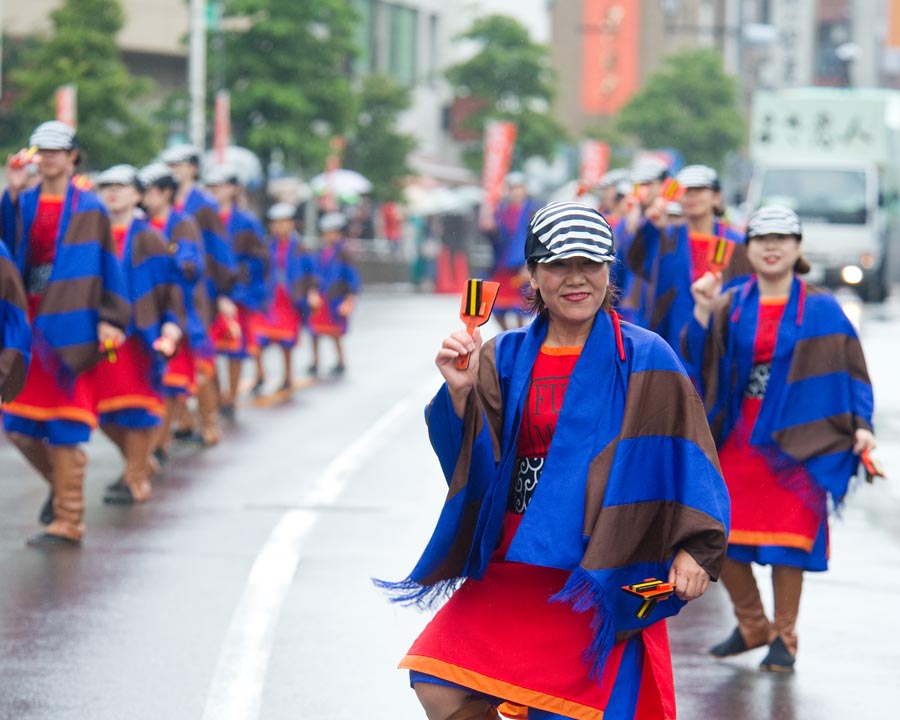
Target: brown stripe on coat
x=825 y=354
x=651 y=532
x=11 y=288
x=89 y=226
x=595 y=487
x=247 y=242
x=739 y=265
x=208 y=219
x=114 y=309
x=338 y=289
x=454 y=561
x=664 y=402
x=301 y=286
x=146 y=309
x=490 y=393
x=146 y=244
x=223 y=277
x=186 y=229
x=820 y=437
x=13 y=371
x=661 y=306
x=473 y=422
x=80 y=357
x=74 y=294
x=636 y=256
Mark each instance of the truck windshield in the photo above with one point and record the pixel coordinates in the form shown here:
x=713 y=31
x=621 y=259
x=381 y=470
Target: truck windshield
x=818 y=195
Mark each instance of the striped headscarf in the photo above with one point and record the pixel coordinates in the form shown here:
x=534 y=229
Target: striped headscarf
x=563 y=230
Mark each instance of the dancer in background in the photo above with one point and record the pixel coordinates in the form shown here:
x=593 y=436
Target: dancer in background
x=789 y=402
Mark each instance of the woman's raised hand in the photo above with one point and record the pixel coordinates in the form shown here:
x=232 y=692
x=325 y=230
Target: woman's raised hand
x=704 y=291
x=459 y=382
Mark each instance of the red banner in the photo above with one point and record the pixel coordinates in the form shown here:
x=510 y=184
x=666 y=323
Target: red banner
x=610 y=44
x=499 y=141
x=221 y=125
x=594 y=163
x=67 y=105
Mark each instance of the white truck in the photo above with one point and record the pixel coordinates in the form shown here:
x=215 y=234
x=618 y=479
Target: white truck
x=833 y=156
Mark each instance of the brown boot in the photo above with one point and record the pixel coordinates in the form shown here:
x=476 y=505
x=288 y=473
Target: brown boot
x=38 y=456
x=787 y=584
x=208 y=409
x=475 y=710
x=67 y=528
x=753 y=625
x=135 y=485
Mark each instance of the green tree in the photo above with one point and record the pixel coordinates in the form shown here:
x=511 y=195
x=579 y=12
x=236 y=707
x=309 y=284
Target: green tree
x=513 y=78
x=82 y=51
x=690 y=104
x=286 y=66
x=374 y=147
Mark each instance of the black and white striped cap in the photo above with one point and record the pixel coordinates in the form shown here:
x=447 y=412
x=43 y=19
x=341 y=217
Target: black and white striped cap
x=698 y=176
x=118 y=175
x=563 y=230
x=614 y=177
x=53 y=135
x=221 y=175
x=155 y=173
x=647 y=170
x=774 y=219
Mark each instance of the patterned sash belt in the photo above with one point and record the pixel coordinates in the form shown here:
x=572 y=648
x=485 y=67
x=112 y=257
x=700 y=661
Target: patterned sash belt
x=38 y=279
x=758 y=382
x=525 y=480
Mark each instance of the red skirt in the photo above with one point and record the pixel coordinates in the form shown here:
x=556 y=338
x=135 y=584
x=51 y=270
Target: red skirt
x=125 y=384
x=180 y=377
x=282 y=323
x=236 y=344
x=325 y=321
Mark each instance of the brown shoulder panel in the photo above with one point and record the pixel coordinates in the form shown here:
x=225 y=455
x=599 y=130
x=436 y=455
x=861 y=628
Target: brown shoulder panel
x=208 y=219
x=827 y=354
x=90 y=226
x=820 y=437
x=11 y=288
x=146 y=244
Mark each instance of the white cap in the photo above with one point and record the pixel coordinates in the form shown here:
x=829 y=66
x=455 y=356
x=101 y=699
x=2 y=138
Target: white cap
x=53 y=135
x=674 y=208
x=281 y=211
x=516 y=179
x=698 y=176
x=646 y=171
x=181 y=154
x=153 y=173
x=221 y=175
x=332 y=221
x=118 y=175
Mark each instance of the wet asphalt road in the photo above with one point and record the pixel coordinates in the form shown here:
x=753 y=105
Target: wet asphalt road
x=242 y=589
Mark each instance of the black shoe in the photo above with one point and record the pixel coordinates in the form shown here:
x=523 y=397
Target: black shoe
x=46 y=540
x=734 y=645
x=184 y=434
x=258 y=387
x=287 y=385
x=338 y=370
x=162 y=457
x=778 y=659
x=118 y=484
x=47 y=515
x=312 y=370
x=226 y=412
x=119 y=496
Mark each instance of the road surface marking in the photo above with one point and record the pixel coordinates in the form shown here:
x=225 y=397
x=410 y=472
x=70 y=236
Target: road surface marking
x=236 y=690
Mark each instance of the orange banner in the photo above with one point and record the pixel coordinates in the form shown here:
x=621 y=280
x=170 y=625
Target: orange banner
x=610 y=41
x=594 y=162
x=499 y=141
x=893 y=34
x=67 y=105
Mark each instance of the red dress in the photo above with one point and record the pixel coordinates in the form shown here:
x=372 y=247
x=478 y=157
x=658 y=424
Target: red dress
x=281 y=323
x=125 y=392
x=765 y=511
x=502 y=637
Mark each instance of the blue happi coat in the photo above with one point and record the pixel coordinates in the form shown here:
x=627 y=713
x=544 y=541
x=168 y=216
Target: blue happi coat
x=85 y=284
x=220 y=262
x=15 y=332
x=246 y=237
x=630 y=478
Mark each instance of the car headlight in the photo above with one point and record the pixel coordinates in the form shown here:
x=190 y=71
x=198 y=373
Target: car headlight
x=851 y=274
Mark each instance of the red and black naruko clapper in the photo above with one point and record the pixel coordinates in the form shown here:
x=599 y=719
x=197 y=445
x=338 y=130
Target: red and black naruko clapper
x=871 y=466
x=651 y=591
x=477 y=303
x=671 y=190
x=720 y=252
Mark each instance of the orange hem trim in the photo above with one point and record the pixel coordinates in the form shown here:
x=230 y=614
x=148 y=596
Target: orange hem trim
x=132 y=402
x=559 y=351
x=773 y=301
x=47 y=414
x=179 y=381
x=277 y=334
x=750 y=537
x=497 y=688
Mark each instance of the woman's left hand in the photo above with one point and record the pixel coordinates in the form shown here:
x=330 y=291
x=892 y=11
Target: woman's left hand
x=690 y=580
x=863 y=440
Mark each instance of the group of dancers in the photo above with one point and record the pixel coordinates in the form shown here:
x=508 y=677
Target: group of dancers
x=116 y=296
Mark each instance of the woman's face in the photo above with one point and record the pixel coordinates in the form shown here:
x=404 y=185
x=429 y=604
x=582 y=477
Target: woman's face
x=54 y=164
x=773 y=256
x=119 y=198
x=699 y=202
x=573 y=289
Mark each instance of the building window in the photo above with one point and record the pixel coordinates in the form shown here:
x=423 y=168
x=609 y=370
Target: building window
x=365 y=37
x=404 y=25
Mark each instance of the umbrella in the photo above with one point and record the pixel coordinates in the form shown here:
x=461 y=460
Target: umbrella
x=341 y=182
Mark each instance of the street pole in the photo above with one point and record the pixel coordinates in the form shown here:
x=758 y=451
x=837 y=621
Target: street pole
x=197 y=74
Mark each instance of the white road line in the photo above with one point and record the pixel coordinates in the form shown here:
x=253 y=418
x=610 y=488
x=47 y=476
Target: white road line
x=236 y=689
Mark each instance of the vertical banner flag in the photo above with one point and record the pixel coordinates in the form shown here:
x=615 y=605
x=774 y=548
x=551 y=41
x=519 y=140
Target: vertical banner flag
x=499 y=141
x=893 y=34
x=221 y=125
x=67 y=105
x=594 y=163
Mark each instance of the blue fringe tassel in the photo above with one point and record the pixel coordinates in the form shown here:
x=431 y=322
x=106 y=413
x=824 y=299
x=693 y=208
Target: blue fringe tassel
x=425 y=597
x=583 y=594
